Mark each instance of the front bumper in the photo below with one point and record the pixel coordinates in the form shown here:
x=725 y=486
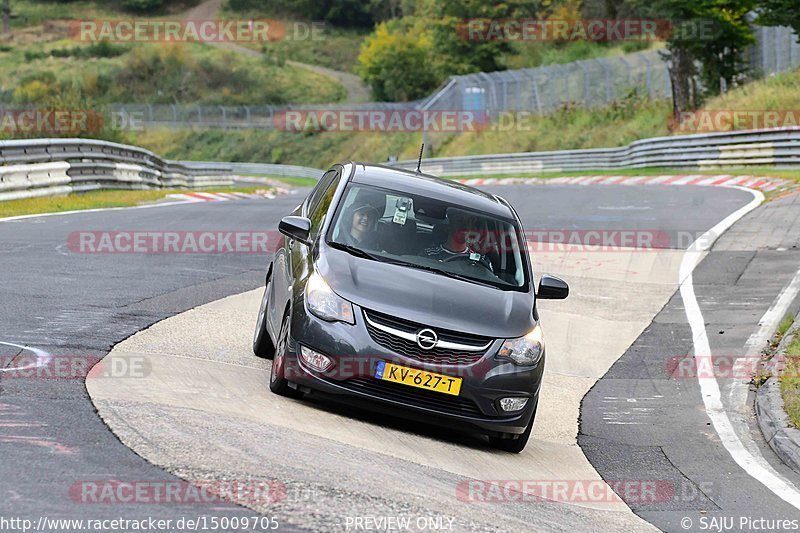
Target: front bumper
x=351 y=380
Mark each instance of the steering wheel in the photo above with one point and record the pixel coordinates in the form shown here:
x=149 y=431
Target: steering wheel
x=465 y=257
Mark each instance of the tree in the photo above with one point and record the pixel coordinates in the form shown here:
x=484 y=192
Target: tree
x=780 y=13
x=714 y=33
x=394 y=62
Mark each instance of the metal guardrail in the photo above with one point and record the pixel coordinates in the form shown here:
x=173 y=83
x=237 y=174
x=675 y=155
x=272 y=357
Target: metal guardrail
x=749 y=148
x=264 y=169
x=45 y=167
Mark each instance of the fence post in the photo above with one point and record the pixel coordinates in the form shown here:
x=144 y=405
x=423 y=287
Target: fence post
x=535 y=82
x=585 y=82
x=648 y=77
x=604 y=66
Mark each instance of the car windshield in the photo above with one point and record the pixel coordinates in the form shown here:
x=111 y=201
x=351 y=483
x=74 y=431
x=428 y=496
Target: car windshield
x=420 y=232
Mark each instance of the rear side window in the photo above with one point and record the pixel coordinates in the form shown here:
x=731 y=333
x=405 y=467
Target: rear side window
x=320 y=205
x=313 y=198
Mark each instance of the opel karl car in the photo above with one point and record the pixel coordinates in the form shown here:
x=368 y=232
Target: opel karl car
x=407 y=294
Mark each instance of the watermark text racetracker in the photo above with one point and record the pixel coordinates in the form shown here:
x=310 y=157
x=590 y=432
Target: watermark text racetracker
x=594 y=30
x=178 y=492
x=177 y=242
x=58 y=367
x=639 y=491
x=402 y=120
x=726 y=367
x=712 y=120
x=259 y=242
x=66 y=121
x=208 y=30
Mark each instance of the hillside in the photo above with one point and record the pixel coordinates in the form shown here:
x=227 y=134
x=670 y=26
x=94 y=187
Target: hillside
x=575 y=128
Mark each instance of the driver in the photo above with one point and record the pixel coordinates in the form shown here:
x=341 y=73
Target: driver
x=460 y=224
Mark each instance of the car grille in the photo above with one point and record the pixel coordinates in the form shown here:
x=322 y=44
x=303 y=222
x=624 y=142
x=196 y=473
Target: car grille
x=435 y=401
x=412 y=350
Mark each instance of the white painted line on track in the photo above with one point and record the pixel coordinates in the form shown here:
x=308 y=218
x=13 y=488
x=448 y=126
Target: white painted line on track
x=42 y=357
x=772 y=318
x=709 y=388
x=97 y=210
x=739 y=387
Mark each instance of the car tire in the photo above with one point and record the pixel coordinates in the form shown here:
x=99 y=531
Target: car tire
x=278 y=384
x=262 y=343
x=515 y=443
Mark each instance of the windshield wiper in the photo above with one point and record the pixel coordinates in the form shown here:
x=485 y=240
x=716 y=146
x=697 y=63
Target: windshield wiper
x=446 y=273
x=352 y=250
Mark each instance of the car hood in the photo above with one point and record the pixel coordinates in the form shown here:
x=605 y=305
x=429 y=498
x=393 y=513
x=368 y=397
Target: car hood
x=427 y=298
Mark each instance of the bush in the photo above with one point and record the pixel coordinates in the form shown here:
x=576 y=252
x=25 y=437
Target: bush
x=395 y=64
x=100 y=49
x=32 y=92
x=141 y=6
x=33 y=55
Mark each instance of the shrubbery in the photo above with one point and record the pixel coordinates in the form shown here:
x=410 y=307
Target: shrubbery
x=98 y=49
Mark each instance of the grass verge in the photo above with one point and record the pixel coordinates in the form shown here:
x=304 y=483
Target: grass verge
x=790 y=382
x=97 y=200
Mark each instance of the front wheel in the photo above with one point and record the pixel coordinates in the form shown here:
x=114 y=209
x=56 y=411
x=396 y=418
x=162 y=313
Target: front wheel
x=278 y=384
x=516 y=443
x=262 y=344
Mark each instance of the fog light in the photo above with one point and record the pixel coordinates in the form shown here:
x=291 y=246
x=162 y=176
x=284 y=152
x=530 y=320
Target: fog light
x=513 y=404
x=315 y=360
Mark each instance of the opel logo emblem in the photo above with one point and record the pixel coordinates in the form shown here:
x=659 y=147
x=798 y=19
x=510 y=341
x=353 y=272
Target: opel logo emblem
x=427 y=339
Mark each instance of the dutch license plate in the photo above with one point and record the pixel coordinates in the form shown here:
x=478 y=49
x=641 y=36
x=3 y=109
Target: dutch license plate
x=418 y=378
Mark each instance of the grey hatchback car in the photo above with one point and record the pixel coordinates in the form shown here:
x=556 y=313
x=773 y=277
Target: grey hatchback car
x=411 y=295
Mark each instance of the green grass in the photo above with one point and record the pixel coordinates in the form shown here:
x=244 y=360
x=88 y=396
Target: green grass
x=98 y=199
x=790 y=382
x=785 y=324
x=26 y=13
x=297 y=182
x=531 y=53
x=331 y=47
x=186 y=73
x=570 y=128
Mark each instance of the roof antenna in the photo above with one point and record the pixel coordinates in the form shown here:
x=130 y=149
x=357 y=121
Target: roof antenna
x=419 y=162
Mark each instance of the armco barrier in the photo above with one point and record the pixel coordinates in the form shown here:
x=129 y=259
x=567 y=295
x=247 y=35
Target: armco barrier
x=749 y=148
x=267 y=169
x=44 y=167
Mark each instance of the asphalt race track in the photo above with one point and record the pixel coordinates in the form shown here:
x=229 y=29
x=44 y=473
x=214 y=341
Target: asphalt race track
x=611 y=407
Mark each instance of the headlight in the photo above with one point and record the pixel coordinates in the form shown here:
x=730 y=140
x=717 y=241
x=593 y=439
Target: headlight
x=525 y=350
x=325 y=303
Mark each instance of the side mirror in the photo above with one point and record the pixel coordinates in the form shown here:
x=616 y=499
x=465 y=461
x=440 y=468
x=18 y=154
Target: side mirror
x=552 y=288
x=297 y=228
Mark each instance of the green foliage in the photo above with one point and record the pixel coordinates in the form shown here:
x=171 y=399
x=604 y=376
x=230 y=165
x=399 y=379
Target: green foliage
x=395 y=63
x=713 y=32
x=172 y=75
x=345 y=13
x=780 y=13
x=98 y=49
x=141 y=6
x=33 y=55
